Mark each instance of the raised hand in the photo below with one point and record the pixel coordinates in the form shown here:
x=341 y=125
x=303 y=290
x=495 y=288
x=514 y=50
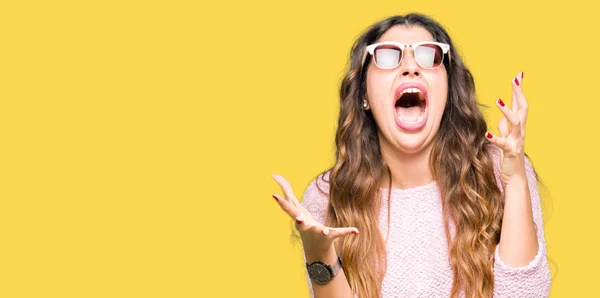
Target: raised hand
x=317 y=238
x=512 y=133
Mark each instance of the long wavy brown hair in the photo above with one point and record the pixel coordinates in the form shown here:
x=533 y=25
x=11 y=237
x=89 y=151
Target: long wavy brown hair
x=460 y=163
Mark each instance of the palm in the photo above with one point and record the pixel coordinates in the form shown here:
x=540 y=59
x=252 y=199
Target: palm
x=316 y=237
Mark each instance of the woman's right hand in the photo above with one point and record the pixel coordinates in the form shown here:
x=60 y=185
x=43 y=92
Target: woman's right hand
x=317 y=238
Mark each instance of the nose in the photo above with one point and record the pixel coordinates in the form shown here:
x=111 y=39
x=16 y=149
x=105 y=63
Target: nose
x=408 y=65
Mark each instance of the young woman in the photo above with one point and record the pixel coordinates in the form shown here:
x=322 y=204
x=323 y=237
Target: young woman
x=422 y=201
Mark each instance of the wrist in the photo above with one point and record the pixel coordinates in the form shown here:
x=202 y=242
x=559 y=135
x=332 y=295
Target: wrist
x=327 y=256
x=516 y=180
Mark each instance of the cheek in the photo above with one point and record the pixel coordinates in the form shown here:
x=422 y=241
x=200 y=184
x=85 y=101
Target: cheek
x=442 y=97
x=440 y=94
x=378 y=88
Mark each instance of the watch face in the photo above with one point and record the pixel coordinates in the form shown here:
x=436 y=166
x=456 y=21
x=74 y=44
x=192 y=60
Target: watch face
x=319 y=273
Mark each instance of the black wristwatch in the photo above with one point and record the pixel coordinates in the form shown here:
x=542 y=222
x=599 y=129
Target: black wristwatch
x=321 y=273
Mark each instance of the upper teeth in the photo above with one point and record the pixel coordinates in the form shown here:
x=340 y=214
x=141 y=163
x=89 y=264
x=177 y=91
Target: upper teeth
x=410 y=90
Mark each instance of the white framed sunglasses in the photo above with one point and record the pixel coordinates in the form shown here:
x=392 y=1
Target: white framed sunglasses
x=388 y=54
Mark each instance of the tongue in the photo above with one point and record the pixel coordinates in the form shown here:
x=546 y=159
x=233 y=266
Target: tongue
x=410 y=114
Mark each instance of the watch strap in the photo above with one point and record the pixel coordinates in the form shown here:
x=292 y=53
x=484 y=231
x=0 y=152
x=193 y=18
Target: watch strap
x=337 y=267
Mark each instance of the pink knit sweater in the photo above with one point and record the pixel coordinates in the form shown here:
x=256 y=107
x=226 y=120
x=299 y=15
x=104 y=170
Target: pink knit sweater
x=417 y=251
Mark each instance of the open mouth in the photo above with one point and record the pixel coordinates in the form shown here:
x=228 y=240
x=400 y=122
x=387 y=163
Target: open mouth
x=411 y=106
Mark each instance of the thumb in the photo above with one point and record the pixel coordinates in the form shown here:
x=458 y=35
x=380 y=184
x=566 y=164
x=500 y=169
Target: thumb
x=333 y=233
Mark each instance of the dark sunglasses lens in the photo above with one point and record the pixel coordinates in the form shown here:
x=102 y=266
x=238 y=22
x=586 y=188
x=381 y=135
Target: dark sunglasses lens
x=429 y=55
x=387 y=56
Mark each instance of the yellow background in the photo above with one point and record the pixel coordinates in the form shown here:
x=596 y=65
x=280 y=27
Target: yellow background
x=137 y=138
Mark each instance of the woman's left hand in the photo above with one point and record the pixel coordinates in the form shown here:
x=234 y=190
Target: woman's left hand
x=512 y=133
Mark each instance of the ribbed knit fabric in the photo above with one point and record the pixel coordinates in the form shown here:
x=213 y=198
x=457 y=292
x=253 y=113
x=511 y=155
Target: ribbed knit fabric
x=417 y=250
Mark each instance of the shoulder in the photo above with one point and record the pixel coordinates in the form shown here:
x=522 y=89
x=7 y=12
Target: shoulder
x=316 y=196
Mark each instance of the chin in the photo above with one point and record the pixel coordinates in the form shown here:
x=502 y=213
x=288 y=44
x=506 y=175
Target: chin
x=411 y=147
x=413 y=142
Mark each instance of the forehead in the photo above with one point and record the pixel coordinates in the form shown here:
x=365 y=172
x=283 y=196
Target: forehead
x=406 y=35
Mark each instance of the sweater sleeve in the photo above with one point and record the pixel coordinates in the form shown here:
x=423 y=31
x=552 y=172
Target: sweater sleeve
x=533 y=279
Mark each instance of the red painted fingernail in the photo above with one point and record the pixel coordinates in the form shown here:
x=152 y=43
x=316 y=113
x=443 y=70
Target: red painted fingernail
x=516 y=81
x=488 y=135
x=522 y=75
x=354 y=232
x=501 y=102
x=276 y=199
x=298 y=221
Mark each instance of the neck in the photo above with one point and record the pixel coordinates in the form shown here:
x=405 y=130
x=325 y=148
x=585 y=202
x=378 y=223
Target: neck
x=408 y=169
